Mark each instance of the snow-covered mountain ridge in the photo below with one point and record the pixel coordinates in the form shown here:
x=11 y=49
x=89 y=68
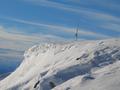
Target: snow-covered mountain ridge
x=85 y=65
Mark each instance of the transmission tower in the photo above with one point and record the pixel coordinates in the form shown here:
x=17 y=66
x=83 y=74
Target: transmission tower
x=76 y=33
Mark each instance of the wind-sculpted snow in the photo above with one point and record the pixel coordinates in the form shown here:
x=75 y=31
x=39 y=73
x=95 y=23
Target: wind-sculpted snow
x=65 y=66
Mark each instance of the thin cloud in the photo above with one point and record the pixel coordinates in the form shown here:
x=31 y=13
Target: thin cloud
x=11 y=53
x=112 y=27
x=22 y=41
x=24 y=37
x=59 y=28
x=86 y=12
x=17 y=37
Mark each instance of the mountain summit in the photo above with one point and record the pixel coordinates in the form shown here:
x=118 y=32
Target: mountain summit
x=85 y=65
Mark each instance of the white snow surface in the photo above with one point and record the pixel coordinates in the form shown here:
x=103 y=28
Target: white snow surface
x=84 y=65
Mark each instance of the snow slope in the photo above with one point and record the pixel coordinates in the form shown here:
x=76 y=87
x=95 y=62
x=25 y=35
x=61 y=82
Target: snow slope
x=86 y=65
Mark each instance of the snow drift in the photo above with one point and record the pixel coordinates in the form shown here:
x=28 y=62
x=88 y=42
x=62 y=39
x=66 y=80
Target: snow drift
x=86 y=65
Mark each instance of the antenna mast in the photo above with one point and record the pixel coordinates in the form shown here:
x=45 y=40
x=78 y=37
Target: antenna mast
x=76 y=33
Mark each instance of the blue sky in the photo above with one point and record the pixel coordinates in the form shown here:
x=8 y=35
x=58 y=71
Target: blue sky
x=24 y=23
